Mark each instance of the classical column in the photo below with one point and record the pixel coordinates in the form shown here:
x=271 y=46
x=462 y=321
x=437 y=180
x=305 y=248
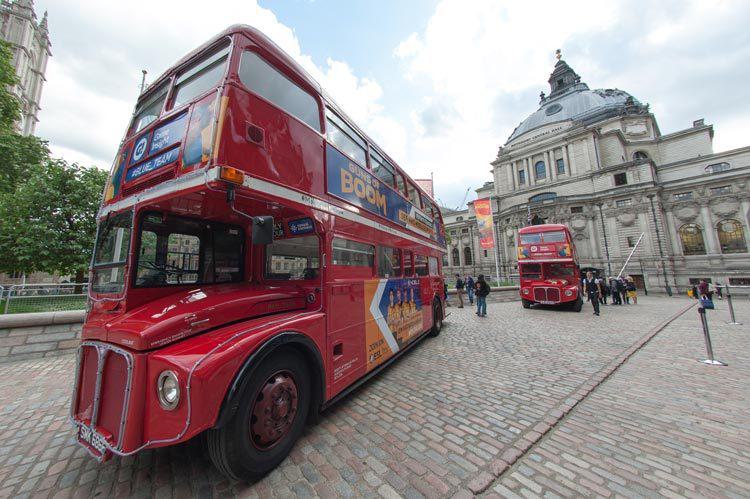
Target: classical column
x=568 y=164
x=745 y=219
x=673 y=234
x=550 y=156
x=593 y=238
x=709 y=230
x=513 y=175
x=530 y=180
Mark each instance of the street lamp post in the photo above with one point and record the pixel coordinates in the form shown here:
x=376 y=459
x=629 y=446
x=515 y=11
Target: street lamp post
x=667 y=288
x=606 y=244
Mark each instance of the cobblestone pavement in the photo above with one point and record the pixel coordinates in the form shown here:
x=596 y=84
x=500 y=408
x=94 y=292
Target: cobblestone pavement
x=663 y=424
x=470 y=411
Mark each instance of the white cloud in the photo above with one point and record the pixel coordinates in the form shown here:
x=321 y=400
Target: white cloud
x=483 y=63
x=92 y=87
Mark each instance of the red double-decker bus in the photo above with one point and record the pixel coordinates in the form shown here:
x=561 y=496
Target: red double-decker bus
x=548 y=267
x=257 y=257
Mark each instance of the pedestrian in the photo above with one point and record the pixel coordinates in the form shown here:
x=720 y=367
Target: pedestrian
x=717 y=288
x=703 y=290
x=623 y=291
x=605 y=291
x=445 y=294
x=482 y=290
x=470 y=288
x=630 y=287
x=695 y=292
x=616 y=298
x=592 y=289
x=460 y=291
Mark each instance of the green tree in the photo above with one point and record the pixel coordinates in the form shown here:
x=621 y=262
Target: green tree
x=48 y=222
x=17 y=152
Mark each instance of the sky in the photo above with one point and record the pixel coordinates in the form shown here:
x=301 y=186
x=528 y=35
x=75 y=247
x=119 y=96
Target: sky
x=438 y=84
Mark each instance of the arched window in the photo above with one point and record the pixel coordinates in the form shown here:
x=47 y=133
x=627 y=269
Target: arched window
x=456 y=260
x=639 y=156
x=468 y=259
x=540 y=171
x=691 y=236
x=731 y=236
x=545 y=196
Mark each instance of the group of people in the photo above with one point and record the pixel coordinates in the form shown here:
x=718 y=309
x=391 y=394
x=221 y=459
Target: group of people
x=703 y=290
x=478 y=289
x=597 y=289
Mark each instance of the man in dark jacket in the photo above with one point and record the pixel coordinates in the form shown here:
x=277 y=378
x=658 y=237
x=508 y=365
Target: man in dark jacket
x=592 y=288
x=460 y=291
x=482 y=290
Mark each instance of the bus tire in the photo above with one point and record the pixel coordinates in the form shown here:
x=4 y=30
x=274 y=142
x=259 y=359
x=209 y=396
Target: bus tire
x=526 y=303
x=437 y=319
x=578 y=304
x=269 y=420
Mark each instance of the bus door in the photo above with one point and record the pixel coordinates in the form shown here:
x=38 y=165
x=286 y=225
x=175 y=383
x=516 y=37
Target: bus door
x=352 y=265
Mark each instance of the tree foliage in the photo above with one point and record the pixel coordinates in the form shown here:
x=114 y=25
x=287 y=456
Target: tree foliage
x=10 y=108
x=48 y=223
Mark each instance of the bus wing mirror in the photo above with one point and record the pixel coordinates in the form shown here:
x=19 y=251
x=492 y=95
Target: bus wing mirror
x=262 y=230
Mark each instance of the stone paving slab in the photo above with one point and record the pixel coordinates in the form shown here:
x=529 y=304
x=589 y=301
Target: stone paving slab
x=662 y=425
x=439 y=422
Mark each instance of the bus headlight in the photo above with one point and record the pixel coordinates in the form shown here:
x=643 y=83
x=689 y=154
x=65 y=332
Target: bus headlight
x=568 y=292
x=168 y=390
x=526 y=291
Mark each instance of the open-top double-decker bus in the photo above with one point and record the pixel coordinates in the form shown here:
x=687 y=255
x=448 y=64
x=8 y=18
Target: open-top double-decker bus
x=548 y=266
x=257 y=257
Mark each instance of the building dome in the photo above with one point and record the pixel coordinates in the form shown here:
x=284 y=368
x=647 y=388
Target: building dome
x=572 y=100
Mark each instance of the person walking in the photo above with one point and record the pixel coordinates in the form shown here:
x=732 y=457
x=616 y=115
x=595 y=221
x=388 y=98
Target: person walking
x=717 y=289
x=470 y=288
x=616 y=298
x=460 y=291
x=482 y=290
x=631 y=290
x=592 y=289
x=703 y=290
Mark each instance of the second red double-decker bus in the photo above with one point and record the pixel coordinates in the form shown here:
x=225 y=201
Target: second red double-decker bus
x=257 y=257
x=548 y=266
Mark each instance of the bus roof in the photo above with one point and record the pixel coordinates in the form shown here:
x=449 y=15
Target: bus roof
x=531 y=229
x=269 y=45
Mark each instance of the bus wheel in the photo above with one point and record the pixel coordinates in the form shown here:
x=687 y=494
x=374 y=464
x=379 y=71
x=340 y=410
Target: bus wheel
x=269 y=420
x=526 y=303
x=578 y=304
x=437 y=319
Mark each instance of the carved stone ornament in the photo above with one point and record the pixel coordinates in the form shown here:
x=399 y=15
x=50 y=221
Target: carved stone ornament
x=626 y=219
x=578 y=224
x=580 y=236
x=686 y=213
x=725 y=208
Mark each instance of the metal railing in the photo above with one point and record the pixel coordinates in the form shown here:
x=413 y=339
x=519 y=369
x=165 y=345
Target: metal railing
x=726 y=288
x=51 y=297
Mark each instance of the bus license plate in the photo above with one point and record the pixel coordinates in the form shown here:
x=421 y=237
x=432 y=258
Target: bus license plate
x=92 y=438
x=545 y=302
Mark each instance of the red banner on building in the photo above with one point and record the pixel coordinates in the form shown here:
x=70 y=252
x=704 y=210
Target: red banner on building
x=483 y=210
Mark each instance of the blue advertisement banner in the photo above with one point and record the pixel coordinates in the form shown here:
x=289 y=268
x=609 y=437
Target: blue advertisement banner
x=153 y=164
x=168 y=134
x=356 y=185
x=301 y=226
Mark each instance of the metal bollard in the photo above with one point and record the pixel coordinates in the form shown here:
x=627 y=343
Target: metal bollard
x=707 y=337
x=732 y=320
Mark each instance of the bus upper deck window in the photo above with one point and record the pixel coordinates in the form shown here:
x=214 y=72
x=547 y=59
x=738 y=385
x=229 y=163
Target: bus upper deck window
x=401 y=187
x=531 y=238
x=553 y=237
x=148 y=111
x=200 y=78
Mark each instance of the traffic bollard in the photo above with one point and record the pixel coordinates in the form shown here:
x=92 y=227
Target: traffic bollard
x=707 y=337
x=732 y=320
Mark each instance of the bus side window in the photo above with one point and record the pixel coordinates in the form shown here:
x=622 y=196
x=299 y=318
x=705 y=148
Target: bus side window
x=349 y=253
x=420 y=265
x=408 y=270
x=389 y=263
x=345 y=138
x=296 y=258
x=433 y=263
x=413 y=195
x=400 y=185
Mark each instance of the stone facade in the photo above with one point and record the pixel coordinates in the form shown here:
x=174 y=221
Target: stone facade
x=596 y=161
x=31 y=47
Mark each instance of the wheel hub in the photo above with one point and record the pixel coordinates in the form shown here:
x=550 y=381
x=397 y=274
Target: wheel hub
x=274 y=410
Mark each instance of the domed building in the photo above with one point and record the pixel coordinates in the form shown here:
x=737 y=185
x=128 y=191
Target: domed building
x=596 y=161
